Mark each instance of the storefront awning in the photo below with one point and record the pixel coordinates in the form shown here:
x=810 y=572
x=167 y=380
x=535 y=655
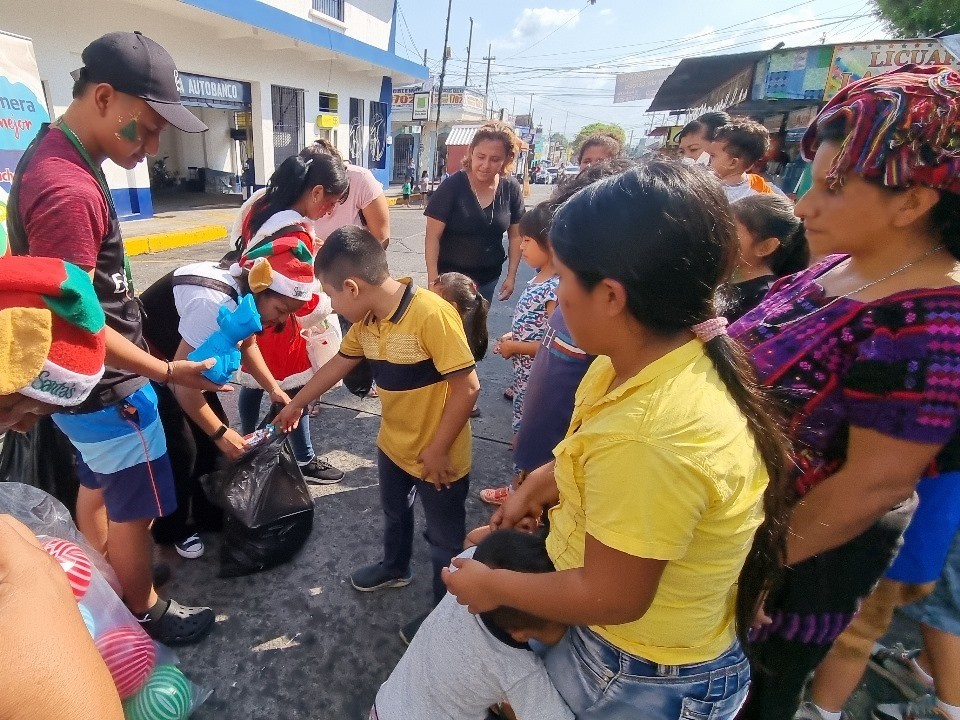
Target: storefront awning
x=695 y=78
x=463 y=135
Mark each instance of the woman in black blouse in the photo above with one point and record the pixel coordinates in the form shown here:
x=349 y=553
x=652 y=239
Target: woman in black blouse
x=468 y=214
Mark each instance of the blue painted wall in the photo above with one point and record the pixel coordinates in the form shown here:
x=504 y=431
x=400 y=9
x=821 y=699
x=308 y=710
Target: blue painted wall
x=133 y=203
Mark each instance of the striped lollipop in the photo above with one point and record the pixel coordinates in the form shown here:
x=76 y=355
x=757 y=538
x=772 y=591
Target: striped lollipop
x=166 y=696
x=129 y=654
x=74 y=562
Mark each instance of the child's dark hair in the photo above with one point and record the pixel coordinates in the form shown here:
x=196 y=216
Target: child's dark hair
x=663 y=231
x=520 y=552
x=771 y=216
x=746 y=140
x=535 y=224
x=460 y=290
x=291 y=180
x=708 y=123
x=352 y=251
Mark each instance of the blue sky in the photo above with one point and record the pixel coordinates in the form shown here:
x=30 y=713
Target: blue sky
x=566 y=53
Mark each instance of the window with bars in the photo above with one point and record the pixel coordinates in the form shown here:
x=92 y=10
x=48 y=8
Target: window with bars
x=330 y=8
x=288 y=130
x=356 y=154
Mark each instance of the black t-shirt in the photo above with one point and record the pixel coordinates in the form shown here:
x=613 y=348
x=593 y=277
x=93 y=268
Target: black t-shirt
x=472 y=240
x=748 y=294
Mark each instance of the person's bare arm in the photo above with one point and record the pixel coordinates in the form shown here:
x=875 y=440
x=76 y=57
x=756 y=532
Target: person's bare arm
x=377 y=215
x=879 y=473
x=199 y=410
x=612 y=587
x=431 y=248
x=332 y=372
x=51 y=668
x=257 y=367
x=123 y=354
x=513 y=261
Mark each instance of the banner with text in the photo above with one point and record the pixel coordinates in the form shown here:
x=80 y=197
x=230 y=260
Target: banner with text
x=22 y=111
x=853 y=62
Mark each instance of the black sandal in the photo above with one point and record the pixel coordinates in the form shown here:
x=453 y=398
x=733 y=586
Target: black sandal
x=180 y=625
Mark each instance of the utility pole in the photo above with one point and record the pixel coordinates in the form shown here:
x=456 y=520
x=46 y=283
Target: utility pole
x=630 y=143
x=443 y=72
x=486 y=89
x=466 y=77
x=566 y=142
x=424 y=56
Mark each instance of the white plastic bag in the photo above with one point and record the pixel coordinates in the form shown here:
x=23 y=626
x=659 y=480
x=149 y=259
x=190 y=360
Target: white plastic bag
x=323 y=341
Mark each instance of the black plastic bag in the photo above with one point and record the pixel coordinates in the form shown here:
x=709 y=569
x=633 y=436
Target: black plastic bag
x=44 y=458
x=269 y=511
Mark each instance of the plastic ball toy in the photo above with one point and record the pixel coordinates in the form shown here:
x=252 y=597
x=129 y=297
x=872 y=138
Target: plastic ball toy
x=129 y=654
x=166 y=696
x=74 y=562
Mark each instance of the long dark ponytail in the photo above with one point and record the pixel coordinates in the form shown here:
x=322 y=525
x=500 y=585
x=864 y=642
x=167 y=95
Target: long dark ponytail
x=664 y=231
x=290 y=181
x=461 y=291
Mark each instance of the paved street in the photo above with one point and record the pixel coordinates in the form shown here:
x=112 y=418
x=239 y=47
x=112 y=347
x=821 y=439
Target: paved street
x=297 y=642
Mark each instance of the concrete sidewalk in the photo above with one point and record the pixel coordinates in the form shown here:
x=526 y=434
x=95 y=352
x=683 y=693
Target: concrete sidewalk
x=185 y=219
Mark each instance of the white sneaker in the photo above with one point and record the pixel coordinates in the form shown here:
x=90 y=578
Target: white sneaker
x=809 y=711
x=190 y=547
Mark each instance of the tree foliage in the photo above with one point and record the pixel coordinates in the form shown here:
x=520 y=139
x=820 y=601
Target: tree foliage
x=919 y=18
x=599 y=128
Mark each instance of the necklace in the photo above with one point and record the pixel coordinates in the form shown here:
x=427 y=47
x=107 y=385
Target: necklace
x=493 y=204
x=870 y=284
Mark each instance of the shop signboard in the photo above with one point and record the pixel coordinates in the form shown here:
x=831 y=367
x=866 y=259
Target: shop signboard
x=798 y=121
x=795 y=74
x=853 y=62
x=214 y=92
x=22 y=111
x=421 y=105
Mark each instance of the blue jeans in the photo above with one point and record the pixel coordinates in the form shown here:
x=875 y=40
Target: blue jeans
x=248 y=405
x=444 y=510
x=597 y=680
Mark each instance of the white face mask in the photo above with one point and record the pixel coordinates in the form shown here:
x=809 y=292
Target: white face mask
x=704 y=159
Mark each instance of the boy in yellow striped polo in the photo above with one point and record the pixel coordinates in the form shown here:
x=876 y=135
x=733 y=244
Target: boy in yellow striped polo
x=425 y=372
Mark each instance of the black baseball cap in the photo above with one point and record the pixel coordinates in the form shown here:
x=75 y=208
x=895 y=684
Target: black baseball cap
x=134 y=64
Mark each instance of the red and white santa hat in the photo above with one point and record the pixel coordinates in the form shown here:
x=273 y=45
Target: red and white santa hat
x=285 y=264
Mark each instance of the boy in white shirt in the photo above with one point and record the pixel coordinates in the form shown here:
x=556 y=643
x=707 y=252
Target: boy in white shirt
x=459 y=665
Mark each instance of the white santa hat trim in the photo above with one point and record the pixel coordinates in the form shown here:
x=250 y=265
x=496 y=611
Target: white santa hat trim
x=57 y=385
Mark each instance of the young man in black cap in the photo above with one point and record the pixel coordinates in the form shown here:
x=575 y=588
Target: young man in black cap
x=60 y=206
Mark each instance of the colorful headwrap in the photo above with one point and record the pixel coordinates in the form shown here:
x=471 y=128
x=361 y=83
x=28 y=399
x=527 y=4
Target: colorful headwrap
x=52 y=336
x=903 y=129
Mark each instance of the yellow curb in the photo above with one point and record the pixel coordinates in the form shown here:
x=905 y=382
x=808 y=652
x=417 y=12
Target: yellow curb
x=170 y=240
